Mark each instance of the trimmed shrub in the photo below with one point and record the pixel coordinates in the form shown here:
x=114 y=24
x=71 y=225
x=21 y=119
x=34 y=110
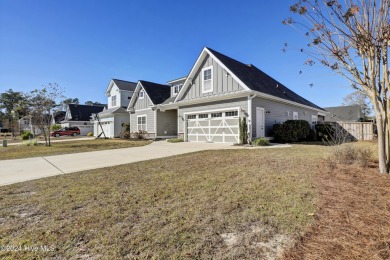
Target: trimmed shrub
x=243 y=127
x=261 y=142
x=292 y=131
x=175 y=140
x=141 y=134
x=55 y=127
x=125 y=135
x=90 y=134
x=26 y=135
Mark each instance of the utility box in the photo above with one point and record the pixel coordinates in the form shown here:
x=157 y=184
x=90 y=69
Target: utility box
x=4 y=143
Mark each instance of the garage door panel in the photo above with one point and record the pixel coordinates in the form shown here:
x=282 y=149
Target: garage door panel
x=217 y=139
x=213 y=129
x=230 y=139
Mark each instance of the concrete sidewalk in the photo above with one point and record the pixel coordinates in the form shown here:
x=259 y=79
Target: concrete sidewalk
x=19 y=170
x=52 y=140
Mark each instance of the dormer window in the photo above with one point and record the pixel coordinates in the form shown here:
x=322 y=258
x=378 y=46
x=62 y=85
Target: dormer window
x=141 y=94
x=113 y=101
x=207 y=79
x=176 y=89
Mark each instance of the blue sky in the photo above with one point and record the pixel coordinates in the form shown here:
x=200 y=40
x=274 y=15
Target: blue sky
x=81 y=45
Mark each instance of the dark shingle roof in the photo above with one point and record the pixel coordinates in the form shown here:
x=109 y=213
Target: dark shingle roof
x=257 y=80
x=158 y=93
x=83 y=112
x=59 y=116
x=169 y=100
x=125 y=85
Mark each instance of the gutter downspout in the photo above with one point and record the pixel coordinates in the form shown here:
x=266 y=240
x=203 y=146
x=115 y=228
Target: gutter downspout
x=250 y=116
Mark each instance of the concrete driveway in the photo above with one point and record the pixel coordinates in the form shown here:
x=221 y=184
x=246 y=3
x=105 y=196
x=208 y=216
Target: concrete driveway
x=19 y=170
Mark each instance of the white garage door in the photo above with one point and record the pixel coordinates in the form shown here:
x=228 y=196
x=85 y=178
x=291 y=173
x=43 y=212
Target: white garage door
x=85 y=129
x=216 y=127
x=106 y=128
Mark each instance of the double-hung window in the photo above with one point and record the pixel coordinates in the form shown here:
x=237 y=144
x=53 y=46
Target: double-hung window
x=141 y=94
x=207 y=79
x=295 y=115
x=141 y=123
x=113 y=101
x=176 y=89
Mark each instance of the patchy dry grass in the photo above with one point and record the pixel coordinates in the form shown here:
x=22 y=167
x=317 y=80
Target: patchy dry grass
x=230 y=204
x=21 y=151
x=353 y=217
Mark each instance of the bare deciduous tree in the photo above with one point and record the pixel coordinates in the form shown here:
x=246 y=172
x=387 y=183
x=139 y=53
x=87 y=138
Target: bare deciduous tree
x=358 y=98
x=352 y=38
x=42 y=103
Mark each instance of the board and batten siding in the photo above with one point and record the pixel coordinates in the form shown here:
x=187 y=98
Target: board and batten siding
x=276 y=113
x=149 y=120
x=221 y=82
x=142 y=103
x=242 y=103
x=167 y=123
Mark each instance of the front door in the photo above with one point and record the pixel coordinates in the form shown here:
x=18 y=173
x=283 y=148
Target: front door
x=259 y=122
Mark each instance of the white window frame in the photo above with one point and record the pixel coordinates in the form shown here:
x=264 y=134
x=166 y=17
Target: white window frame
x=113 y=101
x=211 y=80
x=146 y=122
x=176 y=89
x=295 y=116
x=141 y=96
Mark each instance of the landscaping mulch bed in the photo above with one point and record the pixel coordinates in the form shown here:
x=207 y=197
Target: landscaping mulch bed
x=353 y=217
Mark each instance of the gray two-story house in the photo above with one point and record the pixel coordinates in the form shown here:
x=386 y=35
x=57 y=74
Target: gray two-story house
x=206 y=105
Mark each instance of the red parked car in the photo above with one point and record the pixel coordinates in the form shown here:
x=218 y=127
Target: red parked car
x=66 y=131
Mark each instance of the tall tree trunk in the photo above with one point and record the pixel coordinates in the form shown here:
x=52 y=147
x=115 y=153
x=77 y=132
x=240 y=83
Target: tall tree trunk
x=383 y=143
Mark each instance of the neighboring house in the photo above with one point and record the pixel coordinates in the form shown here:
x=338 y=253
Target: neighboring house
x=25 y=125
x=80 y=116
x=111 y=120
x=33 y=123
x=58 y=117
x=206 y=105
x=344 y=113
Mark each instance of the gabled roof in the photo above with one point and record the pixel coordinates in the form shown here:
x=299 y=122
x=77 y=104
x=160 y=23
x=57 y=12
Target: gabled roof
x=257 y=80
x=122 y=85
x=59 y=116
x=125 y=85
x=249 y=77
x=157 y=93
x=83 y=112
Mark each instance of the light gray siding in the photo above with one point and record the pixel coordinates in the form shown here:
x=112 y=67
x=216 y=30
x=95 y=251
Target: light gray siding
x=125 y=97
x=149 y=120
x=276 y=113
x=242 y=103
x=222 y=83
x=167 y=123
x=142 y=103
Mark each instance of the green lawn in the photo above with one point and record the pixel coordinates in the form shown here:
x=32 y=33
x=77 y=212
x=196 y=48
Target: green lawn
x=23 y=151
x=246 y=203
